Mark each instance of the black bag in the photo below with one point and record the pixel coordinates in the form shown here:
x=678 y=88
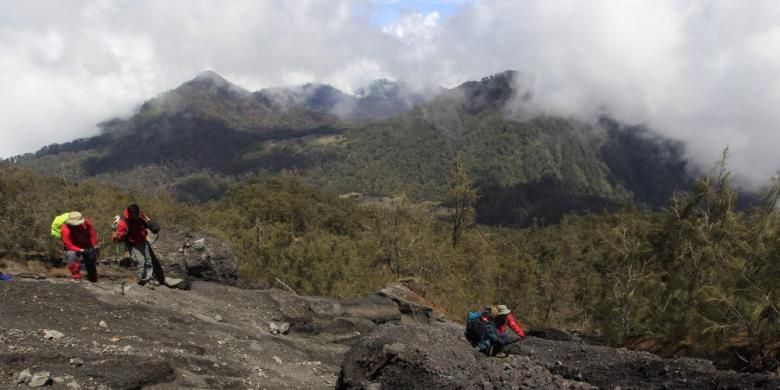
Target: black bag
x=90 y=262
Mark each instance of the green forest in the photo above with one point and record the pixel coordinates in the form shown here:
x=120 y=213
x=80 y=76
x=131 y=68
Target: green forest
x=206 y=136
x=698 y=278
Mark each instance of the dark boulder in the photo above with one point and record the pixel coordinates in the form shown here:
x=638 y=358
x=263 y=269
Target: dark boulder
x=188 y=254
x=436 y=356
x=409 y=302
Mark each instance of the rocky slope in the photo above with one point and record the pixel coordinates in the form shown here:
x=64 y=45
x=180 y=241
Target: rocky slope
x=121 y=336
x=118 y=335
x=414 y=356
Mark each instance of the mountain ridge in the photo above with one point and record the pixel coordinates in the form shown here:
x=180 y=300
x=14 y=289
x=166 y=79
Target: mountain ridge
x=208 y=133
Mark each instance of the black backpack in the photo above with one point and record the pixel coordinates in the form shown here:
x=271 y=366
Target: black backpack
x=481 y=334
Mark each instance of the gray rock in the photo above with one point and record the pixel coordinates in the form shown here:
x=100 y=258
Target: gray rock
x=52 y=334
x=393 y=349
x=102 y=324
x=414 y=355
x=73 y=386
x=409 y=303
x=218 y=318
x=185 y=254
x=58 y=380
x=374 y=308
x=40 y=379
x=77 y=362
x=199 y=244
x=279 y=328
x=24 y=376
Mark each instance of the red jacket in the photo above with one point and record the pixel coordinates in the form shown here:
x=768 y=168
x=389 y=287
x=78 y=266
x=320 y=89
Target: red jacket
x=134 y=230
x=76 y=238
x=513 y=324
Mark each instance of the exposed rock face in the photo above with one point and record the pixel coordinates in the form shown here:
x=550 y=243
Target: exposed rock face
x=409 y=302
x=314 y=315
x=218 y=336
x=419 y=356
x=415 y=356
x=184 y=253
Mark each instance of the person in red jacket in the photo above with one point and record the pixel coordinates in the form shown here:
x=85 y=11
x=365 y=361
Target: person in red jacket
x=502 y=320
x=79 y=240
x=131 y=228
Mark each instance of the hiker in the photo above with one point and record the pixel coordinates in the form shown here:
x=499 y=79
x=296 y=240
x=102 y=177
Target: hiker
x=504 y=319
x=79 y=240
x=481 y=331
x=131 y=229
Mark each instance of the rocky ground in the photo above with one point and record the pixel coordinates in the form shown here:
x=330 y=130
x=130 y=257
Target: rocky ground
x=118 y=335
x=609 y=368
x=122 y=336
x=415 y=356
x=115 y=334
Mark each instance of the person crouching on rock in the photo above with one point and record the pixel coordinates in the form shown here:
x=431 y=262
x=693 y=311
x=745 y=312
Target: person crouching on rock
x=502 y=319
x=79 y=240
x=131 y=228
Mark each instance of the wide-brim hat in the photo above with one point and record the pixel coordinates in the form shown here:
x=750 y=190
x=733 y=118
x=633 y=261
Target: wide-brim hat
x=75 y=218
x=503 y=310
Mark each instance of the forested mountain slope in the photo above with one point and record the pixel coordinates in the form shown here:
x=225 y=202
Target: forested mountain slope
x=204 y=136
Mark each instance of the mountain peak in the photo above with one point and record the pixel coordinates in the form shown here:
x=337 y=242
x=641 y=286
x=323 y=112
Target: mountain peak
x=496 y=89
x=211 y=76
x=214 y=83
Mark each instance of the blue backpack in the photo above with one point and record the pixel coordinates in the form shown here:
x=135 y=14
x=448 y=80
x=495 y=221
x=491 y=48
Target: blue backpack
x=481 y=334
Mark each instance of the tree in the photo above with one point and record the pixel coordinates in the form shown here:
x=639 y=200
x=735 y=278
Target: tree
x=464 y=196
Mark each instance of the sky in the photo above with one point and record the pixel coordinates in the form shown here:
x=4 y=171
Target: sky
x=706 y=72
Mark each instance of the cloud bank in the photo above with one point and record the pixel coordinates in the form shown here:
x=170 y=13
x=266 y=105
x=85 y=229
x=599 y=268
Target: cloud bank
x=702 y=71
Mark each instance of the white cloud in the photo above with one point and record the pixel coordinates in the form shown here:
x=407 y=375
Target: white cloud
x=701 y=71
x=414 y=26
x=356 y=74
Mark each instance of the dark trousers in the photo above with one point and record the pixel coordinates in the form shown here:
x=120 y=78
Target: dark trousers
x=505 y=339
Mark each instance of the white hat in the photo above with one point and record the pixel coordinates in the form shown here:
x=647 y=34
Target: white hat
x=503 y=310
x=74 y=218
